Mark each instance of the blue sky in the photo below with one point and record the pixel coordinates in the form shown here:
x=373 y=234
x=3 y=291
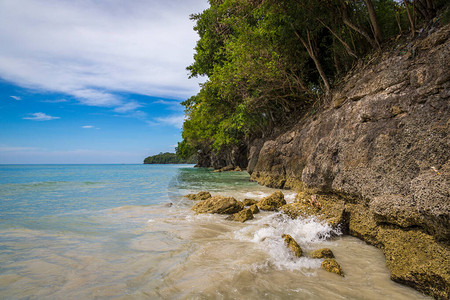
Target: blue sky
x=93 y=81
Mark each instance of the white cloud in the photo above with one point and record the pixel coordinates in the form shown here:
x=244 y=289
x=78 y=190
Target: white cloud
x=40 y=117
x=87 y=126
x=175 y=120
x=16 y=98
x=55 y=101
x=127 y=107
x=92 y=50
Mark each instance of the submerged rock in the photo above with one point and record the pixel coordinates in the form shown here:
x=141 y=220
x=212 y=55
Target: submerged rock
x=218 y=205
x=249 y=202
x=272 y=202
x=331 y=265
x=203 y=195
x=254 y=209
x=292 y=245
x=242 y=216
x=322 y=253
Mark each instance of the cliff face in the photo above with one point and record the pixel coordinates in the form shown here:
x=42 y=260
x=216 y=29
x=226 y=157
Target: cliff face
x=382 y=150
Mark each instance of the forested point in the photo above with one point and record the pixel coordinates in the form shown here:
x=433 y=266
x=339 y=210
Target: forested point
x=169 y=158
x=268 y=62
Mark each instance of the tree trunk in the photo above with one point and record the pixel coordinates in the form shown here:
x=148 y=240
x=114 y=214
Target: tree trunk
x=374 y=22
x=411 y=21
x=361 y=32
x=313 y=56
x=346 y=46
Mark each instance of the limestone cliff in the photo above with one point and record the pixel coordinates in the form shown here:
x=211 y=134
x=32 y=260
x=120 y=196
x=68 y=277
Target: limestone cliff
x=380 y=150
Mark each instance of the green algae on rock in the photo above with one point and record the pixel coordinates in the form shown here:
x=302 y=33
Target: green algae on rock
x=322 y=253
x=272 y=202
x=242 y=216
x=292 y=245
x=249 y=202
x=331 y=265
x=203 y=195
x=218 y=205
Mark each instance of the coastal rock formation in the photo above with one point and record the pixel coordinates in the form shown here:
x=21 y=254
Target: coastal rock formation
x=203 y=195
x=272 y=202
x=292 y=245
x=242 y=216
x=249 y=202
x=378 y=159
x=322 y=253
x=331 y=265
x=218 y=205
x=254 y=208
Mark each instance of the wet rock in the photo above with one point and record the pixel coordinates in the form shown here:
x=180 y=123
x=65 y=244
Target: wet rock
x=272 y=202
x=238 y=169
x=292 y=245
x=249 y=202
x=254 y=208
x=322 y=253
x=226 y=169
x=218 y=205
x=331 y=265
x=203 y=195
x=242 y=216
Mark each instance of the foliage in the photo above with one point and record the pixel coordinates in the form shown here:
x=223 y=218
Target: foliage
x=269 y=60
x=169 y=158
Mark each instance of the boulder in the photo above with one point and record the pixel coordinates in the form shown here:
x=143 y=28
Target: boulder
x=249 y=202
x=292 y=245
x=203 y=195
x=254 y=209
x=331 y=265
x=242 y=216
x=218 y=205
x=272 y=202
x=238 y=169
x=322 y=253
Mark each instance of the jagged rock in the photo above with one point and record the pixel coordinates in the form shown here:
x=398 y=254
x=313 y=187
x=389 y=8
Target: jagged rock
x=322 y=253
x=203 y=195
x=218 y=205
x=292 y=245
x=331 y=265
x=238 y=169
x=254 y=208
x=249 y=202
x=272 y=202
x=242 y=216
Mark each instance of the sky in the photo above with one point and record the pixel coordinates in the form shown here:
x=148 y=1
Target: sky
x=94 y=81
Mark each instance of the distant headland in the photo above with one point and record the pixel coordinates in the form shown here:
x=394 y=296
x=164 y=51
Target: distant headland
x=169 y=158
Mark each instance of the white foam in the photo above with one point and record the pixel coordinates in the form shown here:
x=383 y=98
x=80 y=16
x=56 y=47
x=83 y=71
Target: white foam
x=267 y=234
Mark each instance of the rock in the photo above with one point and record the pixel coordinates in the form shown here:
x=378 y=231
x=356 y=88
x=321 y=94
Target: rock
x=254 y=209
x=203 y=195
x=242 y=216
x=292 y=245
x=331 y=265
x=218 y=205
x=322 y=253
x=238 y=169
x=249 y=202
x=272 y=202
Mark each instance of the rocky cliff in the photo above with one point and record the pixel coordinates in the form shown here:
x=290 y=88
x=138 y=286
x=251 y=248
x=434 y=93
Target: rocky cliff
x=379 y=155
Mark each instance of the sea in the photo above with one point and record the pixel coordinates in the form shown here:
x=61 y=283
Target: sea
x=127 y=232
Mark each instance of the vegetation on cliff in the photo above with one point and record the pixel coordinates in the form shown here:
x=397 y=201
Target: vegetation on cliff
x=269 y=60
x=169 y=158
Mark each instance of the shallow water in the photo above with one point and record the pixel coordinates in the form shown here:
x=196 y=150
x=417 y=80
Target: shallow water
x=74 y=232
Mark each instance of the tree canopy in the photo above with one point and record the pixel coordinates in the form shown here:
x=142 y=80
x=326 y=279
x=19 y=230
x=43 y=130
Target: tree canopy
x=269 y=60
x=169 y=158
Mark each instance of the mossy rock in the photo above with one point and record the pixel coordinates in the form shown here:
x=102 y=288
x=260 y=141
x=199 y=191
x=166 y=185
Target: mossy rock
x=218 y=205
x=203 y=195
x=322 y=253
x=249 y=202
x=254 y=208
x=292 y=245
x=331 y=265
x=242 y=216
x=272 y=202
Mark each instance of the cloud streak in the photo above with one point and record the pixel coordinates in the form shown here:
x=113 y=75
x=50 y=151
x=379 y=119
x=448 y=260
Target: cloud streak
x=17 y=98
x=95 y=50
x=39 y=116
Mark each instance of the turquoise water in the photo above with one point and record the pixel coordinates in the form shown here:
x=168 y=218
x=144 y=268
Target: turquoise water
x=127 y=232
